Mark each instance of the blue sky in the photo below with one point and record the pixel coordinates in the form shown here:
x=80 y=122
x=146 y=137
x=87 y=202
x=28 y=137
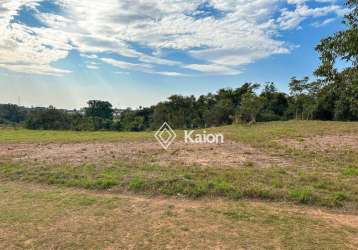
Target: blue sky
x=132 y=53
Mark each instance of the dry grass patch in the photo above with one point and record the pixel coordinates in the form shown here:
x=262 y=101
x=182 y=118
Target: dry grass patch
x=323 y=143
x=230 y=154
x=59 y=218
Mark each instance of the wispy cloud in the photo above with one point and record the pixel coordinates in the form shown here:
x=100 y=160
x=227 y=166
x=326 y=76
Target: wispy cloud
x=213 y=69
x=325 y=22
x=146 y=68
x=221 y=38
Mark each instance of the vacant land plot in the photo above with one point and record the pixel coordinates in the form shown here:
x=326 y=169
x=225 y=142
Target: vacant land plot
x=274 y=185
x=231 y=154
x=38 y=217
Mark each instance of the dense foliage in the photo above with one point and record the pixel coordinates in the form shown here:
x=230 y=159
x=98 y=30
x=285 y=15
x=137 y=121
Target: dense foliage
x=97 y=116
x=333 y=96
x=10 y=113
x=338 y=96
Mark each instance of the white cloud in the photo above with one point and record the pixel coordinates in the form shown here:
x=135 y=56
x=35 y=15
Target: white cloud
x=127 y=65
x=25 y=49
x=35 y=69
x=92 y=64
x=291 y=19
x=168 y=73
x=147 y=68
x=213 y=69
x=244 y=32
x=31 y=50
x=323 y=23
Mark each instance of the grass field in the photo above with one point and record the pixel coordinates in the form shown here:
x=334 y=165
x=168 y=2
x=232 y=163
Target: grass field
x=30 y=136
x=279 y=185
x=260 y=133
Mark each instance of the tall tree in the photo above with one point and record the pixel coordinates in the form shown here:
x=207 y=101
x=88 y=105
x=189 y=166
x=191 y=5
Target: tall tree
x=341 y=87
x=99 y=109
x=12 y=113
x=249 y=108
x=297 y=88
x=275 y=104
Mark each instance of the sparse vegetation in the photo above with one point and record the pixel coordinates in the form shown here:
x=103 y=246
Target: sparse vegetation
x=71 y=219
x=289 y=181
x=322 y=183
x=326 y=178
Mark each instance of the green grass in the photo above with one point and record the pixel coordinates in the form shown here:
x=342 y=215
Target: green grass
x=351 y=171
x=258 y=134
x=303 y=195
x=42 y=136
x=314 y=188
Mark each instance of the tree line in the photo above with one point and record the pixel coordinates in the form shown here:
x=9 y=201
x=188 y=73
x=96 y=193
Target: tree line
x=333 y=95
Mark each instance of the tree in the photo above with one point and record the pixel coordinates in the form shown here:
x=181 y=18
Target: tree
x=274 y=104
x=222 y=112
x=249 y=108
x=182 y=111
x=100 y=113
x=48 y=119
x=161 y=114
x=136 y=120
x=299 y=90
x=339 y=94
x=343 y=45
x=12 y=113
x=203 y=106
x=100 y=109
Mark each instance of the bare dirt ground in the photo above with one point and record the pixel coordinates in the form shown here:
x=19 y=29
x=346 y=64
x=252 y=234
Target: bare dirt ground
x=230 y=154
x=323 y=143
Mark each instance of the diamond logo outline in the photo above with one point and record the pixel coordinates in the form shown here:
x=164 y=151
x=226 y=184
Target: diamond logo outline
x=164 y=132
x=165 y=142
